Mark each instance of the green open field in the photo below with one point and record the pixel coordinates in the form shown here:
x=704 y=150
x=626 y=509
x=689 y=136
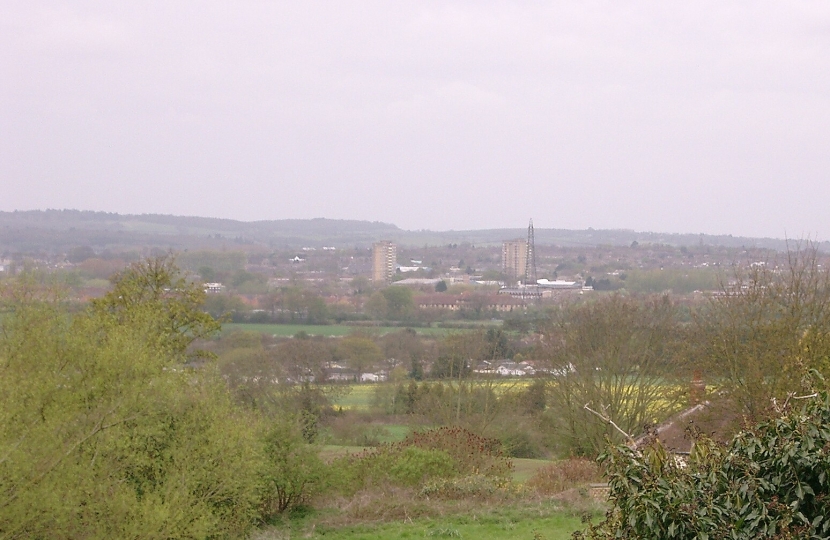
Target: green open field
x=358 y=398
x=330 y=330
x=360 y=395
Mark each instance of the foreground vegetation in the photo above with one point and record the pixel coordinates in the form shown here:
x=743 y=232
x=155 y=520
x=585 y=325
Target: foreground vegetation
x=127 y=419
x=513 y=522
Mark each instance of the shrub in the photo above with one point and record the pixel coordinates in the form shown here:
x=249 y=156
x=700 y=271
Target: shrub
x=390 y=464
x=472 y=453
x=770 y=481
x=564 y=475
x=476 y=486
x=293 y=472
x=421 y=457
x=105 y=434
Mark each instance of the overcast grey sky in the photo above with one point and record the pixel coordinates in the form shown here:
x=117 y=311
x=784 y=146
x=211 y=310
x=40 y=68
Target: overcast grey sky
x=657 y=116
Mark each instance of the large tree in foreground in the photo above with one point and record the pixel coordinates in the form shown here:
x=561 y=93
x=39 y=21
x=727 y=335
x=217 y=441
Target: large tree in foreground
x=154 y=297
x=105 y=434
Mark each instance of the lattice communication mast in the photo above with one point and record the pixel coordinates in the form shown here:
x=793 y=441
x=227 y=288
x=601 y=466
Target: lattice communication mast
x=530 y=264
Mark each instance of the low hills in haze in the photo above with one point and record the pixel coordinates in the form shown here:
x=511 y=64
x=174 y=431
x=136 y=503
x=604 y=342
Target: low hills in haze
x=55 y=231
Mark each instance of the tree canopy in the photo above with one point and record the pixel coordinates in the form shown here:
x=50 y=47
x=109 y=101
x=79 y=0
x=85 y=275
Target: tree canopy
x=105 y=432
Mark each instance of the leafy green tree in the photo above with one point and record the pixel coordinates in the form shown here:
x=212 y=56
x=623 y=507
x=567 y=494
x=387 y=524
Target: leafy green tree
x=459 y=352
x=497 y=344
x=360 y=352
x=293 y=472
x=299 y=304
x=207 y=273
x=223 y=305
x=156 y=298
x=377 y=306
x=402 y=347
x=104 y=433
x=399 y=304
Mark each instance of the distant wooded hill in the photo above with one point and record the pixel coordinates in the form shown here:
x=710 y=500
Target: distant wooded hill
x=56 y=231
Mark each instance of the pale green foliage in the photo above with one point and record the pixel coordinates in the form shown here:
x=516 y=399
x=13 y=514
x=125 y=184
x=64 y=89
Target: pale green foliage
x=399 y=302
x=293 y=473
x=377 y=306
x=154 y=298
x=104 y=434
x=360 y=352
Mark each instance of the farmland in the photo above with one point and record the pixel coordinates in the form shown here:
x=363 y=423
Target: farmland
x=359 y=397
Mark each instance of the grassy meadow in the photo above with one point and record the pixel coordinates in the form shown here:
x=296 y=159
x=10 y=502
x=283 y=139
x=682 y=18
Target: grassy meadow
x=542 y=521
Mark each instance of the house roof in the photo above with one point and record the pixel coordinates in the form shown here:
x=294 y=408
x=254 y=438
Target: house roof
x=714 y=419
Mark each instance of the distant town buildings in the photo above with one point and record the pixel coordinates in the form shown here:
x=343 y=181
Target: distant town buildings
x=384 y=258
x=514 y=258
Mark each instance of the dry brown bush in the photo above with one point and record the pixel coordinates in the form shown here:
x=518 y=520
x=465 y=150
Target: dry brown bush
x=564 y=475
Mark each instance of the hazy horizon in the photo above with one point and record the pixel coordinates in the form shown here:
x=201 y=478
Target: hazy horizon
x=670 y=118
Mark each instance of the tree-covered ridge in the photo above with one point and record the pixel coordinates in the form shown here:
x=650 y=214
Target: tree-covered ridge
x=59 y=230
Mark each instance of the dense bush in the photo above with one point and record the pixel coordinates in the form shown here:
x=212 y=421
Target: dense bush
x=772 y=481
x=439 y=453
x=105 y=432
x=390 y=465
x=292 y=472
x=472 y=453
x=112 y=425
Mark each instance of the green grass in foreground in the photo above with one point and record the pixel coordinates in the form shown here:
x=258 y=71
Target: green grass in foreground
x=523 y=469
x=489 y=524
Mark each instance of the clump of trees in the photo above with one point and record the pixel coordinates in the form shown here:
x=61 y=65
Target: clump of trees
x=112 y=425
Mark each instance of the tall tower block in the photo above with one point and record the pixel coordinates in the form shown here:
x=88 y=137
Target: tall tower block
x=384 y=257
x=514 y=258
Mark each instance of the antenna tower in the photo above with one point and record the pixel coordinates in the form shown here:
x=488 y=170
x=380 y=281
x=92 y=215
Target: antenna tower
x=530 y=264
